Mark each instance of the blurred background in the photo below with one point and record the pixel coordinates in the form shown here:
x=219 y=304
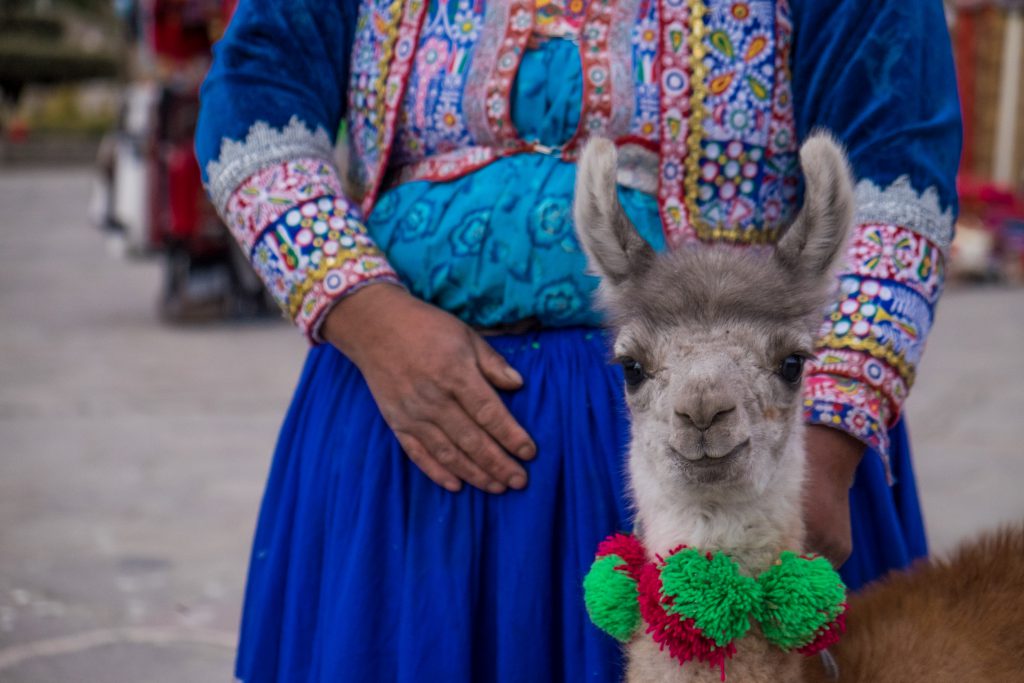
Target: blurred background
x=144 y=374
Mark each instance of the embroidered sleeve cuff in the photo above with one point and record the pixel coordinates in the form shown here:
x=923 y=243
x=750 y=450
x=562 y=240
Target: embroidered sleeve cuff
x=876 y=330
x=874 y=333
x=849 y=405
x=304 y=239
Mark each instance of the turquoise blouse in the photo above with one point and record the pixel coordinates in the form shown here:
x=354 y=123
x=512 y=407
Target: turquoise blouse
x=498 y=246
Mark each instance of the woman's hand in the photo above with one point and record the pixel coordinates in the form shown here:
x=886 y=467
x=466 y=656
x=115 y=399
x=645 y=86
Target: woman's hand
x=433 y=379
x=832 y=459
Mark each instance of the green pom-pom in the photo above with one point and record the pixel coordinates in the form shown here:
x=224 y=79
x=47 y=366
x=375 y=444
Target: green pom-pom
x=712 y=592
x=801 y=596
x=611 y=598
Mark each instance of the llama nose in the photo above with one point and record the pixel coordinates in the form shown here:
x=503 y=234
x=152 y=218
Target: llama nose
x=704 y=413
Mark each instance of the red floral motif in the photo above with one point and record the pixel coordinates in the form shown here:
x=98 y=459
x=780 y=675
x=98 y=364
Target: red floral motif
x=892 y=252
x=267 y=194
x=850 y=405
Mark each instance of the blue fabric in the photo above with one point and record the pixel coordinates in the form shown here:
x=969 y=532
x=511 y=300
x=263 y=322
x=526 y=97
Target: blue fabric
x=277 y=59
x=879 y=75
x=461 y=244
x=364 y=570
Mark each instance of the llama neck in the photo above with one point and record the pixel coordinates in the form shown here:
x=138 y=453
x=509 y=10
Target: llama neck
x=752 y=528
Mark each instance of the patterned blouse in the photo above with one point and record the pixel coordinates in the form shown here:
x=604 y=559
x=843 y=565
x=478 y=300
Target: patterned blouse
x=465 y=118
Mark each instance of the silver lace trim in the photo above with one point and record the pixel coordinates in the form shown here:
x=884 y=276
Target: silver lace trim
x=262 y=146
x=900 y=204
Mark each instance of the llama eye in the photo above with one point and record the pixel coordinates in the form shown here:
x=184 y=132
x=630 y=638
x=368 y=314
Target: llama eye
x=633 y=371
x=791 y=368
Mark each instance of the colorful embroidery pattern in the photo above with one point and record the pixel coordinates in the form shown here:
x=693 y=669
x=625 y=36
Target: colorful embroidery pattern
x=850 y=405
x=682 y=95
x=509 y=25
x=607 y=82
x=386 y=41
x=747 y=103
x=313 y=254
x=874 y=334
x=886 y=319
x=864 y=367
x=646 y=120
x=267 y=194
x=262 y=146
x=890 y=252
x=432 y=120
x=376 y=33
x=780 y=179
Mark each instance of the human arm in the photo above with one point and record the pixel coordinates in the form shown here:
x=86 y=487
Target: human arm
x=270 y=105
x=879 y=75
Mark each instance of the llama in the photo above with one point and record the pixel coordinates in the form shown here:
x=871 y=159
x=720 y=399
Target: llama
x=712 y=341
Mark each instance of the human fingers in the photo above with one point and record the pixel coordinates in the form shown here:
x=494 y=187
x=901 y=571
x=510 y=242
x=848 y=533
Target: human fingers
x=422 y=458
x=454 y=461
x=482 y=403
x=479 y=447
x=494 y=366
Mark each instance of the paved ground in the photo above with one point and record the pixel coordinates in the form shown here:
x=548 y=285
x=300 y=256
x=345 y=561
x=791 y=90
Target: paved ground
x=132 y=454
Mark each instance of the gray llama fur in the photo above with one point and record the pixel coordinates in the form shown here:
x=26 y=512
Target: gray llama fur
x=716 y=454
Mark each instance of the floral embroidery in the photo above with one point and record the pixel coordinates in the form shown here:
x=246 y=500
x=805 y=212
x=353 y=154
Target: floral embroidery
x=436 y=83
x=314 y=253
x=886 y=319
x=747 y=181
x=645 y=51
x=507 y=26
x=874 y=333
x=852 y=406
x=376 y=33
x=866 y=368
x=901 y=204
x=890 y=252
x=378 y=83
x=682 y=95
x=780 y=179
x=267 y=194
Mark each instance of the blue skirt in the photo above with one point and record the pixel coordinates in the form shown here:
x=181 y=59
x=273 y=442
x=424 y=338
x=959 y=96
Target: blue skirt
x=364 y=570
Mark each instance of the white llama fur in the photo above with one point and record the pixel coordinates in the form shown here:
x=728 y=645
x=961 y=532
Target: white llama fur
x=716 y=458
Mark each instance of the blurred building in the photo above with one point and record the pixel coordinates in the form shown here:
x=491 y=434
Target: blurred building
x=988 y=41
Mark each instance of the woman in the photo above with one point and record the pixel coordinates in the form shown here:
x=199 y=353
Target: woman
x=446 y=300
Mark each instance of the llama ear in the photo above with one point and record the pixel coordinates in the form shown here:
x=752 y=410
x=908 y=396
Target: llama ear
x=814 y=241
x=614 y=248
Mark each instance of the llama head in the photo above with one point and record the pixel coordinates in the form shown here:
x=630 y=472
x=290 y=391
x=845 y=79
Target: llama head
x=713 y=338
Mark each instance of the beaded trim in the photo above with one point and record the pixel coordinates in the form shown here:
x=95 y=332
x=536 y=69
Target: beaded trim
x=891 y=252
x=900 y=204
x=863 y=367
x=272 y=191
x=682 y=36
x=607 y=83
x=394 y=90
x=262 y=146
x=313 y=254
x=849 y=405
x=492 y=71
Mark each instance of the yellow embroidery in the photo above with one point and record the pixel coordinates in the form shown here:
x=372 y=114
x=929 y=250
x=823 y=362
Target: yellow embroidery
x=695 y=133
x=884 y=352
x=368 y=256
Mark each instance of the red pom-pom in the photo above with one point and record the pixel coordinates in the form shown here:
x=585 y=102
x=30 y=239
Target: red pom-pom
x=827 y=637
x=682 y=638
x=628 y=548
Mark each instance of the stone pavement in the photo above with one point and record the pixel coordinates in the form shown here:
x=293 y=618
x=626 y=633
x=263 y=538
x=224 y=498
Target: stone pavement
x=132 y=454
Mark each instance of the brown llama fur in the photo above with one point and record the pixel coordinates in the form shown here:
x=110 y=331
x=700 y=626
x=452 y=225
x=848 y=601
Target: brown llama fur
x=959 y=619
